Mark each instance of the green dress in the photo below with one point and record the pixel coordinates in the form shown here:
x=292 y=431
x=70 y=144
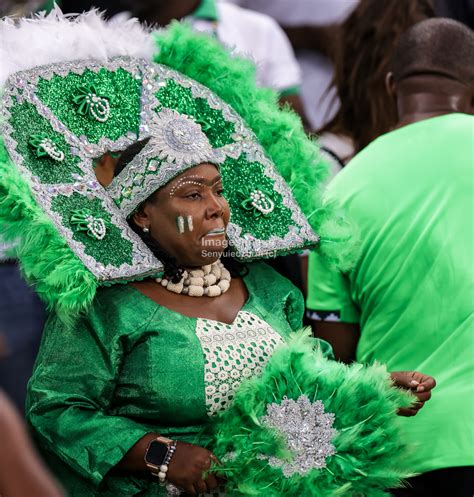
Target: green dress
x=132 y=367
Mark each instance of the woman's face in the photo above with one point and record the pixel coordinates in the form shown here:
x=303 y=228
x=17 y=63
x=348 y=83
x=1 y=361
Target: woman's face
x=188 y=217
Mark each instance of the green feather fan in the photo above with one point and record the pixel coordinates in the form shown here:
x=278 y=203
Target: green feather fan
x=368 y=456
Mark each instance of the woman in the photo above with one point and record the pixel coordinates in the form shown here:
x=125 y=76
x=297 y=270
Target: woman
x=120 y=396
x=144 y=348
x=367 y=39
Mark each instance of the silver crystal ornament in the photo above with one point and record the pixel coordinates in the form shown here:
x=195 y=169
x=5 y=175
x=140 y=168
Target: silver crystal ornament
x=307 y=430
x=179 y=138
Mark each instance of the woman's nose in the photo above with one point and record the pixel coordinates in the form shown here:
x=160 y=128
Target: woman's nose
x=214 y=207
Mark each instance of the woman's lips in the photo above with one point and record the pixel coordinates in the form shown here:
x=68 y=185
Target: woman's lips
x=214 y=232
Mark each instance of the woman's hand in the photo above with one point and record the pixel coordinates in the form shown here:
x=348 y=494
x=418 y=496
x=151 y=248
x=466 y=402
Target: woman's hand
x=187 y=467
x=418 y=384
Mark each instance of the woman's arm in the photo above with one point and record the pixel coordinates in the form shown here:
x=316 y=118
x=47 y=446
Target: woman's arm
x=69 y=399
x=70 y=395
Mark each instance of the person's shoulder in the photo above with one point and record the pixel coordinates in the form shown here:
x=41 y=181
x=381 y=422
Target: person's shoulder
x=116 y=294
x=117 y=307
x=261 y=273
x=361 y=167
x=412 y=138
x=247 y=17
x=454 y=123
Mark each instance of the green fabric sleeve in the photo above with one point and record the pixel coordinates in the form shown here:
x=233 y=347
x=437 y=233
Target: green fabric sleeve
x=329 y=290
x=70 y=392
x=294 y=308
x=206 y=10
x=279 y=300
x=292 y=90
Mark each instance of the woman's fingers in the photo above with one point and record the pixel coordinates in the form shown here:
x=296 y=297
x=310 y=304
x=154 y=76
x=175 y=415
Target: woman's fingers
x=189 y=488
x=212 y=481
x=407 y=412
x=427 y=383
x=422 y=396
x=414 y=381
x=201 y=486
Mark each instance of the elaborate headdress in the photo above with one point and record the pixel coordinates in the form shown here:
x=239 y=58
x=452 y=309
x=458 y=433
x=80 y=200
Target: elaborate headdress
x=89 y=87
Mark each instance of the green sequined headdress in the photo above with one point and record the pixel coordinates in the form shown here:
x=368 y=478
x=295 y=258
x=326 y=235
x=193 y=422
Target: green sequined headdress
x=195 y=104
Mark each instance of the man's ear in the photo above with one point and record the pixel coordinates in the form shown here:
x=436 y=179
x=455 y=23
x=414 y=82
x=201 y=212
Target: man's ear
x=390 y=85
x=104 y=168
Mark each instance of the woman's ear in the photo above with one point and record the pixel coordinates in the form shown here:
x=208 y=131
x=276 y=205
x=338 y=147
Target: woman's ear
x=140 y=217
x=390 y=85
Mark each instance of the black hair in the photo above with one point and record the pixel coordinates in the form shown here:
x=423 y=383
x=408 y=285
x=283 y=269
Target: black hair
x=171 y=268
x=435 y=46
x=129 y=154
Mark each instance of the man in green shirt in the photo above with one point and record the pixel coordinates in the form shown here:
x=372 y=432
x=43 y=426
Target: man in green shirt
x=408 y=300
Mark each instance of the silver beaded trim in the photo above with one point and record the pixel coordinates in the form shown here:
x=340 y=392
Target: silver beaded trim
x=21 y=87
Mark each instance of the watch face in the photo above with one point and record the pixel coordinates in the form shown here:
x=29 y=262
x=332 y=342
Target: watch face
x=156 y=453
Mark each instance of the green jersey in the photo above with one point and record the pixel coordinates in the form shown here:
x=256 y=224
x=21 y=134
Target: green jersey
x=410 y=193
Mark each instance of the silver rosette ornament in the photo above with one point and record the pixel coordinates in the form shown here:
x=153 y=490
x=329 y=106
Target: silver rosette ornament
x=179 y=138
x=311 y=426
x=307 y=431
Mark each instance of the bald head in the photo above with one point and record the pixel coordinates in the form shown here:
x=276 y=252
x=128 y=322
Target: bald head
x=435 y=46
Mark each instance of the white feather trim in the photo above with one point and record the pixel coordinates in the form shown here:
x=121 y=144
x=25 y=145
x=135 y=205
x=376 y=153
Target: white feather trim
x=56 y=37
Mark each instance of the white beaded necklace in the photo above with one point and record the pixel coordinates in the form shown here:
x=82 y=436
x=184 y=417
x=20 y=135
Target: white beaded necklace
x=210 y=281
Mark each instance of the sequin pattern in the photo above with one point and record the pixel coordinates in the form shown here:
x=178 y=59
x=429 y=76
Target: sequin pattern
x=240 y=173
x=218 y=129
x=232 y=353
x=123 y=93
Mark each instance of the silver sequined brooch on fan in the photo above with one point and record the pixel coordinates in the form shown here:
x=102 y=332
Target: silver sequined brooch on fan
x=307 y=431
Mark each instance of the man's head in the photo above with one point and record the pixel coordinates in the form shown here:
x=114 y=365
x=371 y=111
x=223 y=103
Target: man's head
x=435 y=46
x=434 y=57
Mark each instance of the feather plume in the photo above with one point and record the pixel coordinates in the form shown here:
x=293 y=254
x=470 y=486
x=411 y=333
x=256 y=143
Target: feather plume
x=56 y=37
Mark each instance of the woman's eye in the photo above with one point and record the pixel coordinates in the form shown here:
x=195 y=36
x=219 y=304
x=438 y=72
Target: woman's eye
x=194 y=195
x=220 y=192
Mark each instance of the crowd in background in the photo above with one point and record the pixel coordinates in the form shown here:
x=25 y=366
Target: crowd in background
x=329 y=61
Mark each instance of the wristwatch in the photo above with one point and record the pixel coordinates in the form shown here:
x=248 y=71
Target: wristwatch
x=158 y=456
